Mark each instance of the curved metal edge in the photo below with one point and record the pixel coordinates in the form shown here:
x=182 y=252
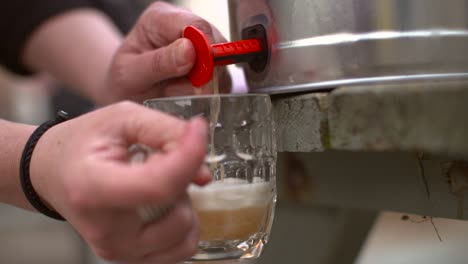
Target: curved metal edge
x=330 y=85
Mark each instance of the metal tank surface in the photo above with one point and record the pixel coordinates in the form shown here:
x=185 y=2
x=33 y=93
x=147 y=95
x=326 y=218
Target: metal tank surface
x=322 y=44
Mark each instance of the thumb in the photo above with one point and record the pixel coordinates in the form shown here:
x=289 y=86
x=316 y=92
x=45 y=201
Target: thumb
x=174 y=60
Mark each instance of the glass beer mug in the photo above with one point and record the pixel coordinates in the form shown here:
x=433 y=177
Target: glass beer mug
x=236 y=209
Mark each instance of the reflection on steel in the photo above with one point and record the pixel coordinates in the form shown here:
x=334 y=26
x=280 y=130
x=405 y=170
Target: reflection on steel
x=317 y=44
x=344 y=38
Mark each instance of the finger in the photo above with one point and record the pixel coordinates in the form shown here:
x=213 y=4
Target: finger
x=179 y=87
x=128 y=237
x=169 y=231
x=146 y=126
x=179 y=252
x=174 y=87
x=113 y=235
x=161 y=179
x=225 y=81
x=203 y=177
x=171 y=21
x=171 y=61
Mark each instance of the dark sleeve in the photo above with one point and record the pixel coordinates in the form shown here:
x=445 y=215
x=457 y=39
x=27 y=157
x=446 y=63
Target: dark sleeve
x=18 y=20
x=124 y=13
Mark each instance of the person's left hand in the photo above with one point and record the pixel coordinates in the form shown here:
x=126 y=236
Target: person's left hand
x=81 y=168
x=154 y=59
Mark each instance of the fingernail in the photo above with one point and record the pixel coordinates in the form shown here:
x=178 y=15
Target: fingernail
x=182 y=56
x=203 y=177
x=200 y=126
x=206 y=172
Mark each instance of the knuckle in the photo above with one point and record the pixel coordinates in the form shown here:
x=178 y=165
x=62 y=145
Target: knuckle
x=98 y=236
x=117 y=71
x=103 y=244
x=186 y=218
x=158 y=5
x=157 y=67
x=125 y=106
x=189 y=248
x=107 y=254
x=158 y=10
x=116 y=109
x=204 y=26
x=120 y=83
x=152 y=14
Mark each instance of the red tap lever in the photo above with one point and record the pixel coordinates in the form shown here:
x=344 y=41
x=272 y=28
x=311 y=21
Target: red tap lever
x=208 y=56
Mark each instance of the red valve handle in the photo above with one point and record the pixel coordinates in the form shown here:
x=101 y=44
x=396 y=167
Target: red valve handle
x=208 y=56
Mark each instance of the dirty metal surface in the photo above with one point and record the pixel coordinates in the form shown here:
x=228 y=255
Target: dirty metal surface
x=398 y=147
x=379 y=181
x=302 y=122
x=414 y=117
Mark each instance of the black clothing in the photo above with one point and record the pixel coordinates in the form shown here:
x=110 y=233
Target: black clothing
x=19 y=19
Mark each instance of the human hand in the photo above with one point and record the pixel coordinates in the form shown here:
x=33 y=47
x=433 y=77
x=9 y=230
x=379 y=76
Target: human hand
x=81 y=169
x=154 y=58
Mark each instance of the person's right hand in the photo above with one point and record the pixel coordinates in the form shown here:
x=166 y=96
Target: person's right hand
x=80 y=168
x=154 y=60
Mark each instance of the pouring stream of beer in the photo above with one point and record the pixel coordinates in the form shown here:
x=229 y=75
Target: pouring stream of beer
x=215 y=109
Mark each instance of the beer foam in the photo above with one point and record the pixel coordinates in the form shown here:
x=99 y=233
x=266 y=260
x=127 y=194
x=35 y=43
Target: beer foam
x=231 y=194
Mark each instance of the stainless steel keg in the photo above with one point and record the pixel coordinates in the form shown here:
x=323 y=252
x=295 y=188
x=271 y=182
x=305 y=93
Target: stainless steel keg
x=322 y=44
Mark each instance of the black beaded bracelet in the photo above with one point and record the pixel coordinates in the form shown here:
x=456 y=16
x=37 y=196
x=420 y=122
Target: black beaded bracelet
x=25 y=179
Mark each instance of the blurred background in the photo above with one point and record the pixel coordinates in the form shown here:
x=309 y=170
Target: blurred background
x=297 y=232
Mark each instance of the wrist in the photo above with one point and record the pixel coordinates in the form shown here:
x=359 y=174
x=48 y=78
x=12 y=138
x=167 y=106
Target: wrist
x=13 y=137
x=42 y=166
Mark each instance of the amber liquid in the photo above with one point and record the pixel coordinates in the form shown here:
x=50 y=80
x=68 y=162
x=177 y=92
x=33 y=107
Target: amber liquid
x=233 y=224
x=232 y=210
